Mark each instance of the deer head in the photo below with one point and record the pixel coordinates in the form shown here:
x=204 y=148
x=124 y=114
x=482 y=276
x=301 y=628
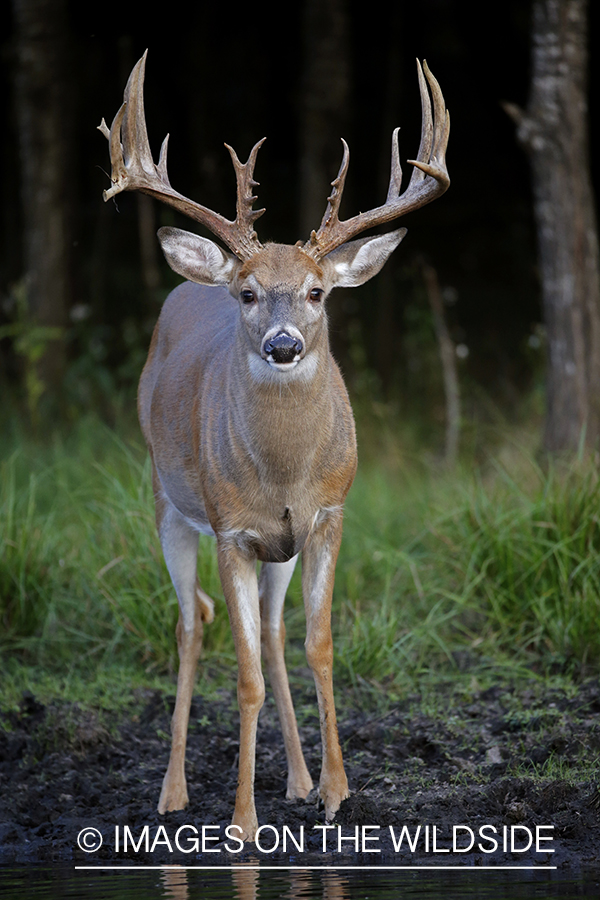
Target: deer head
x=281 y=289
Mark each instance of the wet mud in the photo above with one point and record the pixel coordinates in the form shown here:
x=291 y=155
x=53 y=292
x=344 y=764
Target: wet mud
x=502 y=777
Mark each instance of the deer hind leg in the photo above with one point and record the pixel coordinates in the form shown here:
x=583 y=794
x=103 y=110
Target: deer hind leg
x=318 y=569
x=273 y=583
x=180 y=547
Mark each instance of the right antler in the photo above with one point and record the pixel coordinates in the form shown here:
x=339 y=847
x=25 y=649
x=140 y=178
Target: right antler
x=429 y=178
x=133 y=169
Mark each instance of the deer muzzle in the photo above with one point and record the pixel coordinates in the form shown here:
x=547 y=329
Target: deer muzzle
x=282 y=348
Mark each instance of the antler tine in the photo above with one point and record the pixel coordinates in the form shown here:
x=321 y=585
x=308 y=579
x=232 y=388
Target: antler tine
x=335 y=198
x=395 y=169
x=244 y=174
x=133 y=169
x=442 y=118
x=330 y=221
x=118 y=171
x=136 y=148
x=427 y=127
x=429 y=179
x=128 y=156
x=436 y=133
x=162 y=161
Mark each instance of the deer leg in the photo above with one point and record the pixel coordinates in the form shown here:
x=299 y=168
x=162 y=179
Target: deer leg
x=273 y=583
x=180 y=547
x=318 y=569
x=240 y=586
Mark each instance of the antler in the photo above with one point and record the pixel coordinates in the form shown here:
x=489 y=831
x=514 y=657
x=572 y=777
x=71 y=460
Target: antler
x=133 y=169
x=429 y=178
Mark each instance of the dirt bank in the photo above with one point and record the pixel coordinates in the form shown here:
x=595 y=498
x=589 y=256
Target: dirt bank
x=503 y=760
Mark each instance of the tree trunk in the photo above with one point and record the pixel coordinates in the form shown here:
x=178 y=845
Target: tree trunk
x=554 y=131
x=43 y=120
x=324 y=107
x=448 y=361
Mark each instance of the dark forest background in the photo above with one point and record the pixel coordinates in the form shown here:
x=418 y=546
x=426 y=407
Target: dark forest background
x=303 y=75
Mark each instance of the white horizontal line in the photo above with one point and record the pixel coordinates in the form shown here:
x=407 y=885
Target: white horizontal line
x=242 y=867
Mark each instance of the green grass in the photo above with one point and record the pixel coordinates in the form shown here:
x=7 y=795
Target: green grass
x=493 y=568
x=483 y=569
x=557 y=768
x=82 y=578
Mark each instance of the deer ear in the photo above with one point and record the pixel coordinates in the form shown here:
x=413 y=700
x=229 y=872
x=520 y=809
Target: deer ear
x=197 y=258
x=358 y=261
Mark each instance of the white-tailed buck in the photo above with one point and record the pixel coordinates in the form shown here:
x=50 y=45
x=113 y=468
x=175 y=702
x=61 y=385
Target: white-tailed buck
x=250 y=429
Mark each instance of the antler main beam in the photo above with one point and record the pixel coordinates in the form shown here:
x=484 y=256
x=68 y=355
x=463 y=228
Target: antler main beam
x=133 y=169
x=429 y=178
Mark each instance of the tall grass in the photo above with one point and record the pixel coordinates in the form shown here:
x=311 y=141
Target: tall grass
x=28 y=552
x=488 y=570
x=528 y=569
x=483 y=569
x=82 y=578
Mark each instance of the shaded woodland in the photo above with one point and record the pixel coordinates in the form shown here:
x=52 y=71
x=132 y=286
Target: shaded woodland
x=220 y=73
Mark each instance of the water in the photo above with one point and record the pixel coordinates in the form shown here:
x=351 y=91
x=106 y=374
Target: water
x=244 y=883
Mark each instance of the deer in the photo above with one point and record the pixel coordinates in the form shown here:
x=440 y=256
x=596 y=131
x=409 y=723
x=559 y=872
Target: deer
x=250 y=429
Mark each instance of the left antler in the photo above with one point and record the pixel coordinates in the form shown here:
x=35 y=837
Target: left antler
x=429 y=178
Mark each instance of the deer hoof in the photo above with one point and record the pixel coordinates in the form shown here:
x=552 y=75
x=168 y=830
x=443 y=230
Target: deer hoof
x=173 y=795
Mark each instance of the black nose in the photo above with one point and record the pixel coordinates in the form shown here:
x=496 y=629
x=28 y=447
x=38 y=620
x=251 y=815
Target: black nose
x=283 y=347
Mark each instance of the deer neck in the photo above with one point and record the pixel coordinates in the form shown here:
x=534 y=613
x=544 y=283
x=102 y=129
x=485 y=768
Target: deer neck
x=280 y=418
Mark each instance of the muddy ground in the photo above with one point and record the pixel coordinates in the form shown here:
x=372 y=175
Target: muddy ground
x=504 y=757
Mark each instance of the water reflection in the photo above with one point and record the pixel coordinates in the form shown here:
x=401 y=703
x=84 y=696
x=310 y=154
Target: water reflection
x=175 y=883
x=297 y=884
x=247 y=883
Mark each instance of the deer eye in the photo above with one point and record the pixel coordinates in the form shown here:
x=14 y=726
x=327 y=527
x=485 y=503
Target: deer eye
x=247 y=296
x=316 y=295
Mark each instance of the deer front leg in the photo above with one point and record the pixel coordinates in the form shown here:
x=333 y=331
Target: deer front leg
x=240 y=586
x=273 y=583
x=318 y=570
x=180 y=548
